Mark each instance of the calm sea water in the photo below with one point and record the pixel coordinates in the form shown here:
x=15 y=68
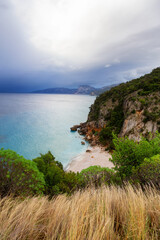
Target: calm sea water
x=35 y=123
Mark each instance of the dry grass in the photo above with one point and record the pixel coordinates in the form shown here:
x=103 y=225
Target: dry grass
x=107 y=213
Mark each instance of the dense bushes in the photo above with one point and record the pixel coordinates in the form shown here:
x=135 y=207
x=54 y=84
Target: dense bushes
x=56 y=179
x=43 y=175
x=19 y=176
x=134 y=162
x=115 y=119
x=145 y=85
x=52 y=171
x=129 y=154
x=147 y=172
x=96 y=176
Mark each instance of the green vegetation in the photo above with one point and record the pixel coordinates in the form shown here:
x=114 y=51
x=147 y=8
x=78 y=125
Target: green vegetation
x=148 y=171
x=96 y=176
x=103 y=203
x=19 y=176
x=114 y=124
x=134 y=162
x=141 y=92
x=144 y=85
x=129 y=154
x=119 y=203
x=56 y=179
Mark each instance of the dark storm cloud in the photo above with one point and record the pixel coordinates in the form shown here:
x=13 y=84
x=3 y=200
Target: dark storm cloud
x=71 y=42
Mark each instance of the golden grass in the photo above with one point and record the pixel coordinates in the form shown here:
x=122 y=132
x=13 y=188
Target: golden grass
x=106 y=213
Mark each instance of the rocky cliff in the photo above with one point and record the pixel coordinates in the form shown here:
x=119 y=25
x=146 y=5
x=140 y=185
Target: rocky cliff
x=130 y=109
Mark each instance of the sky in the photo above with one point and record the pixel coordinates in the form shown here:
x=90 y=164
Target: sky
x=67 y=43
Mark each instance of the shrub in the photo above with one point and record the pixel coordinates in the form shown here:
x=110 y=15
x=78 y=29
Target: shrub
x=70 y=183
x=52 y=170
x=96 y=175
x=148 y=171
x=57 y=180
x=105 y=135
x=133 y=111
x=19 y=176
x=129 y=154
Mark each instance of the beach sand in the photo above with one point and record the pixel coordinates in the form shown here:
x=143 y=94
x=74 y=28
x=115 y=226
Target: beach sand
x=96 y=156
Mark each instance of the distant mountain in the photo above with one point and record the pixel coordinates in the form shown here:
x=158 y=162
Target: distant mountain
x=104 y=89
x=56 y=91
x=85 y=89
x=82 y=89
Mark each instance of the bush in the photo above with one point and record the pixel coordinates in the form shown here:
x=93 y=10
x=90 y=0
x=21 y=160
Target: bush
x=57 y=180
x=115 y=119
x=96 y=175
x=148 y=171
x=52 y=170
x=105 y=135
x=69 y=183
x=129 y=154
x=19 y=176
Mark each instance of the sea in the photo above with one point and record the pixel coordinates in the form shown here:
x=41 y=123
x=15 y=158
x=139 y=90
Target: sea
x=31 y=124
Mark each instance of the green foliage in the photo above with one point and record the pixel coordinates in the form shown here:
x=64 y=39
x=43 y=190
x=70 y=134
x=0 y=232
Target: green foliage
x=151 y=116
x=133 y=111
x=115 y=121
x=142 y=101
x=70 y=183
x=57 y=180
x=129 y=154
x=145 y=85
x=148 y=171
x=52 y=170
x=96 y=175
x=105 y=135
x=19 y=176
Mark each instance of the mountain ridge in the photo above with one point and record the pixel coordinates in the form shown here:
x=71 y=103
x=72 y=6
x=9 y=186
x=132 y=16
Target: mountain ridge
x=82 y=89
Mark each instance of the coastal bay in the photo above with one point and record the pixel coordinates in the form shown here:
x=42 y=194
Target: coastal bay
x=31 y=124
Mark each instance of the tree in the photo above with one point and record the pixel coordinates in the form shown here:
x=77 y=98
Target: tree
x=19 y=176
x=52 y=170
x=148 y=172
x=96 y=175
x=129 y=154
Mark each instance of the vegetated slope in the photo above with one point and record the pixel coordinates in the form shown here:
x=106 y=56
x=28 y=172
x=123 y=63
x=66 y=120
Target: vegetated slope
x=130 y=109
x=105 y=213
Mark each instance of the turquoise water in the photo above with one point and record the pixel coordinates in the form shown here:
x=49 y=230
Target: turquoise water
x=31 y=124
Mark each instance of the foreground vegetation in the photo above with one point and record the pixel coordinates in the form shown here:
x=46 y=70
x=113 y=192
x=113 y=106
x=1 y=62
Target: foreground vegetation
x=39 y=200
x=136 y=163
x=105 y=213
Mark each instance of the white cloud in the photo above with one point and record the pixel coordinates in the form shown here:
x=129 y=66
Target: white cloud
x=74 y=34
x=107 y=65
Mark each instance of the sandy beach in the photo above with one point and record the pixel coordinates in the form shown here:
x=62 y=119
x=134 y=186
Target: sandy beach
x=95 y=156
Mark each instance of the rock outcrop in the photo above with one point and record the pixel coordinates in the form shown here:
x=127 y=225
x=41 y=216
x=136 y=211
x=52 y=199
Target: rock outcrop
x=131 y=109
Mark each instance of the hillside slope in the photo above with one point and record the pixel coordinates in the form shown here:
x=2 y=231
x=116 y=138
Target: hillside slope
x=130 y=109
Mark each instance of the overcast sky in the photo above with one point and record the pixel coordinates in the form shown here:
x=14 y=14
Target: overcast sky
x=55 y=43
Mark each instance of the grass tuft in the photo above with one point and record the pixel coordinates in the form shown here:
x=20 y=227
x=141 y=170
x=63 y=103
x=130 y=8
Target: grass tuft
x=106 y=213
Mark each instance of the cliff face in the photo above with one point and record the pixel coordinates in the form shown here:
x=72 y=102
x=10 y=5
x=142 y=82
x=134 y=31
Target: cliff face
x=131 y=109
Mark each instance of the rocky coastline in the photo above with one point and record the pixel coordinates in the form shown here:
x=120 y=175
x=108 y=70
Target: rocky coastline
x=90 y=131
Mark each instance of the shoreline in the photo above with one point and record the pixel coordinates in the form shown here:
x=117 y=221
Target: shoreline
x=93 y=156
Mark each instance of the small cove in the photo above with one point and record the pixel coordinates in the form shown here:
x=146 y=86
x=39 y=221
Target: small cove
x=31 y=124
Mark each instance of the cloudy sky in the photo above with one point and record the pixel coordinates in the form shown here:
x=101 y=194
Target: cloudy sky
x=55 y=43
